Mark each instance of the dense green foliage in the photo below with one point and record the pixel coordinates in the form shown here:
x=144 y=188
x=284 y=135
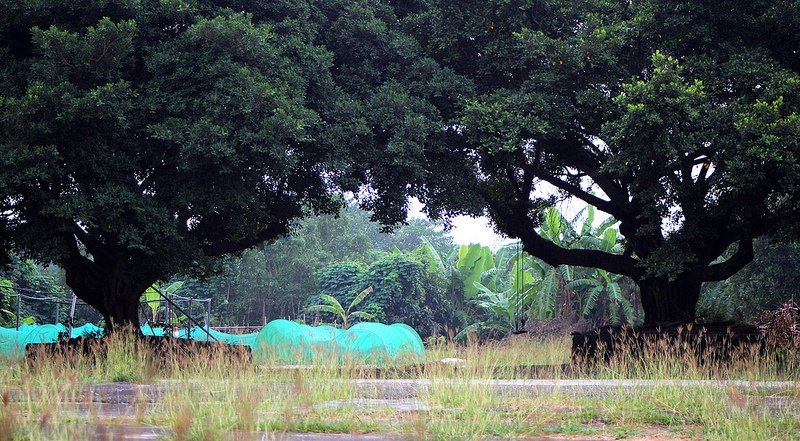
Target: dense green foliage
x=423 y=287
x=140 y=140
x=768 y=282
x=326 y=254
x=24 y=277
x=679 y=118
x=7 y=311
x=144 y=139
x=407 y=289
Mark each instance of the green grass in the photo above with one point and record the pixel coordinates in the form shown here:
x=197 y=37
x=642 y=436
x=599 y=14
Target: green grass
x=211 y=394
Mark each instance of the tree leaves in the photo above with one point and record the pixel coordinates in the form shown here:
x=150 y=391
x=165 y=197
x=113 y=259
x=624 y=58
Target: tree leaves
x=684 y=121
x=324 y=308
x=473 y=261
x=174 y=133
x=362 y=315
x=360 y=297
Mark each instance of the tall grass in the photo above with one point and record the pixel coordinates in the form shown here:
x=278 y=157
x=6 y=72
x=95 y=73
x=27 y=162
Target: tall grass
x=211 y=393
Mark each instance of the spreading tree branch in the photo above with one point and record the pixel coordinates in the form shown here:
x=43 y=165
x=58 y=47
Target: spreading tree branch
x=220 y=248
x=573 y=153
x=515 y=222
x=723 y=270
x=602 y=204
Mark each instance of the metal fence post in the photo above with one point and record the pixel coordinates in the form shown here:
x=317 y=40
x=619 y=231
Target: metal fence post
x=72 y=314
x=189 y=323
x=208 y=318
x=72 y=308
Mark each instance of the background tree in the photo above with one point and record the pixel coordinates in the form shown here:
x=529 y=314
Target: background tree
x=145 y=139
x=276 y=280
x=7 y=311
x=406 y=291
x=408 y=288
x=34 y=281
x=768 y=282
x=679 y=119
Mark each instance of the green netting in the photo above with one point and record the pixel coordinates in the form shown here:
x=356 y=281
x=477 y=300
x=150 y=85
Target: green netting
x=200 y=334
x=368 y=343
x=280 y=340
x=153 y=332
x=88 y=330
x=9 y=344
x=13 y=340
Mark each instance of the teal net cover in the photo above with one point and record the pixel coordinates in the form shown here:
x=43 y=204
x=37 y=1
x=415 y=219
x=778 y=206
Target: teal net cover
x=13 y=340
x=283 y=341
x=200 y=334
x=280 y=341
x=88 y=330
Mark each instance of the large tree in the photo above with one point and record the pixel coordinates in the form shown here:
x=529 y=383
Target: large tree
x=678 y=118
x=139 y=139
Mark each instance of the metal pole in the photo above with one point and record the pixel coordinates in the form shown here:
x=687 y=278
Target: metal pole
x=72 y=308
x=19 y=299
x=188 y=323
x=208 y=319
x=72 y=314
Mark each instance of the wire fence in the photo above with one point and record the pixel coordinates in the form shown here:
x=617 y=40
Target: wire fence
x=176 y=310
x=30 y=306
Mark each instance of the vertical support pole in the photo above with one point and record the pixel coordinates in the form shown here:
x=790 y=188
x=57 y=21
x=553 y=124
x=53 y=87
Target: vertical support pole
x=188 y=322
x=72 y=314
x=19 y=299
x=208 y=318
x=72 y=308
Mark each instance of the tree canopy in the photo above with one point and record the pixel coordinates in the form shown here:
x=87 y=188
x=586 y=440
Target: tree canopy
x=140 y=139
x=680 y=119
x=143 y=139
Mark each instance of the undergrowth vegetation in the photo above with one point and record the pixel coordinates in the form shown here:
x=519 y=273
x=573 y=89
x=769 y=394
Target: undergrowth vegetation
x=492 y=390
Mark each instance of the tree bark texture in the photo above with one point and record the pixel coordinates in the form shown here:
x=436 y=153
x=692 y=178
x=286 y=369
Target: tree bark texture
x=668 y=302
x=109 y=284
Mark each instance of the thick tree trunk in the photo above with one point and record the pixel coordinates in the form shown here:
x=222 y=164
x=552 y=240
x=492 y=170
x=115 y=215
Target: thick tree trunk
x=666 y=302
x=110 y=287
x=122 y=309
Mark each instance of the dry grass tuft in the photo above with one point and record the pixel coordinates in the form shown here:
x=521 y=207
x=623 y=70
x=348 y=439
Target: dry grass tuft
x=8 y=419
x=182 y=422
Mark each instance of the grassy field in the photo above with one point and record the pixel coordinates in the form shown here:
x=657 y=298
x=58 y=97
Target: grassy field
x=210 y=396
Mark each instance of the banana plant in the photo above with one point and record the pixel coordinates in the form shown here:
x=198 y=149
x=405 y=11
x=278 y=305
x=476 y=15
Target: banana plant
x=505 y=306
x=600 y=284
x=153 y=299
x=608 y=285
x=552 y=290
x=473 y=261
x=334 y=307
x=520 y=283
x=552 y=294
x=575 y=288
